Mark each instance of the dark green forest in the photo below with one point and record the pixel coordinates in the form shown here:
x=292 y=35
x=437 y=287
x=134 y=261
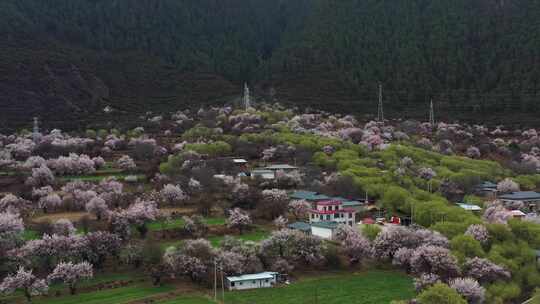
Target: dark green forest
x=470 y=56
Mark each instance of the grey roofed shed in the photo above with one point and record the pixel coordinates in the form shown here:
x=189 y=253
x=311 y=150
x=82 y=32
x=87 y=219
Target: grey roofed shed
x=302 y=226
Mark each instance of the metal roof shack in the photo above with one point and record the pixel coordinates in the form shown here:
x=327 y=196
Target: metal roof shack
x=281 y=167
x=250 y=281
x=253 y=276
x=469 y=207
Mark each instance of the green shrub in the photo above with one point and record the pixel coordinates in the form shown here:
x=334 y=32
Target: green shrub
x=371 y=231
x=213 y=149
x=440 y=294
x=465 y=246
x=502 y=292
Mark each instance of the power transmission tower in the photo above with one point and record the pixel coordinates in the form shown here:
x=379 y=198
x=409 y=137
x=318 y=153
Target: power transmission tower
x=380 y=111
x=247 y=97
x=431 y=114
x=35 y=130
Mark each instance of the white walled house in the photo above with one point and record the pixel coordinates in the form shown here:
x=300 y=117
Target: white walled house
x=251 y=281
x=332 y=211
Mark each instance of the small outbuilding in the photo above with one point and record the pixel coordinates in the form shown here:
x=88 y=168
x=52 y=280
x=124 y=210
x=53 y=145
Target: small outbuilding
x=325 y=230
x=263 y=173
x=517 y=214
x=251 y=281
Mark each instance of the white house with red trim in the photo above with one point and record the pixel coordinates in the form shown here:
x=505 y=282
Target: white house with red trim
x=332 y=211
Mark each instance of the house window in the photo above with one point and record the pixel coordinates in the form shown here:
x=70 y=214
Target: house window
x=254 y=282
x=240 y=283
x=232 y=284
x=328 y=217
x=321 y=217
x=266 y=281
x=350 y=215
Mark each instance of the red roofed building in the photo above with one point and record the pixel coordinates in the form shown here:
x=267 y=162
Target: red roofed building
x=332 y=211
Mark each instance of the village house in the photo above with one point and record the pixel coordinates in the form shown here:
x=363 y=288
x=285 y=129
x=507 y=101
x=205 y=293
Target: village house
x=332 y=211
x=530 y=199
x=251 y=281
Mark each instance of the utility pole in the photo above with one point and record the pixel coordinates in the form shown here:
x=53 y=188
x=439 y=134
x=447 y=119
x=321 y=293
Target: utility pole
x=380 y=111
x=222 y=285
x=367 y=198
x=431 y=114
x=215 y=280
x=412 y=214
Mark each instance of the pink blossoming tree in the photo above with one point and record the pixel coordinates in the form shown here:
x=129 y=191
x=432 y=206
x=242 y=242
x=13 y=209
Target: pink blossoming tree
x=238 y=219
x=71 y=274
x=25 y=281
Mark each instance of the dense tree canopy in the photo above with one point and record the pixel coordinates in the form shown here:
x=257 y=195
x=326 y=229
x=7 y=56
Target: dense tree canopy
x=473 y=55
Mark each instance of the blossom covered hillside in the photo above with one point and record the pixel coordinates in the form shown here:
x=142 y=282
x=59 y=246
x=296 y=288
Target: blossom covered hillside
x=184 y=196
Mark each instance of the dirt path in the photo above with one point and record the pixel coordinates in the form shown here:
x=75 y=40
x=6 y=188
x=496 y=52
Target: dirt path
x=72 y=216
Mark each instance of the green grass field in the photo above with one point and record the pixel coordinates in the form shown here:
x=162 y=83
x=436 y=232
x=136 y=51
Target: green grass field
x=189 y=299
x=121 y=295
x=96 y=280
x=374 y=287
x=179 y=223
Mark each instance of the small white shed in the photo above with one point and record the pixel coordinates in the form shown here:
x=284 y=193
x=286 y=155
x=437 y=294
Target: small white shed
x=251 y=281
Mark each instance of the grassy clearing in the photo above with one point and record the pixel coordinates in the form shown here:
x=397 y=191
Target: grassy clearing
x=256 y=236
x=98 y=178
x=30 y=235
x=374 y=287
x=179 y=223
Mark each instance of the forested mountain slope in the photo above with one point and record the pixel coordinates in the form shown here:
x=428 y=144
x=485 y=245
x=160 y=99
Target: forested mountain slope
x=471 y=56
